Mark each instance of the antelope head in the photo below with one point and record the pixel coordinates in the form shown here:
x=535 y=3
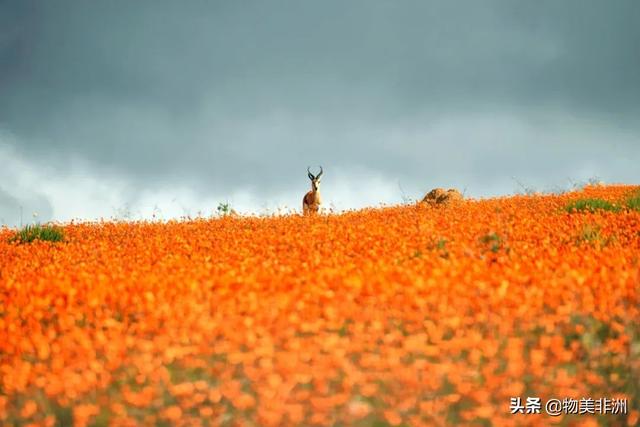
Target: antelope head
x=315 y=180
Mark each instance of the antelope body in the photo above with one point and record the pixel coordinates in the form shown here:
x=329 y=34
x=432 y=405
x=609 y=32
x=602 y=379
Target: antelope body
x=311 y=201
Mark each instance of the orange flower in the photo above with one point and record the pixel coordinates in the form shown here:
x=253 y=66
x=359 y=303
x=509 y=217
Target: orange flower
x=29 y=409
x=173 y=413
x=244 y=401
x=393 y=417
x=359 y=409
x=409 y=313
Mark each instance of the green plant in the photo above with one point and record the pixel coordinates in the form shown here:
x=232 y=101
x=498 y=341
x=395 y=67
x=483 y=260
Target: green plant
x=591 y=233
x=33 y=232
x=591 y=205
x=633 y=202
x=441 y=247
x=224 y=209
x=492 y=239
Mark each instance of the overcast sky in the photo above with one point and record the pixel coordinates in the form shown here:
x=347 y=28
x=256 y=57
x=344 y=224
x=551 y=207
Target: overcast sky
x=117 y=108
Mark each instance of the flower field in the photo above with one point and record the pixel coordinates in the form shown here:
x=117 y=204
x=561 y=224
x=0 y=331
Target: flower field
x=408 y=315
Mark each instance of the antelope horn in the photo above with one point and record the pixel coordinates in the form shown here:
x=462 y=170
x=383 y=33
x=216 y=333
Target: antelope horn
x=320 y=174
x=311 y=177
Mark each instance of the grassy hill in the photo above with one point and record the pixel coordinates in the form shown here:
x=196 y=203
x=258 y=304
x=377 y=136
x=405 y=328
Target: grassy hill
x=408 y=315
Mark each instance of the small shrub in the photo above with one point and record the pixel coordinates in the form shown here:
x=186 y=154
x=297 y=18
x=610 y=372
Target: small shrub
x=493 y=240
x=30 y=233
x=633 y=202
x=224 y=209
x=581 y=185
x=441 y=247
x=528 y=191
x=591 y=205
x=441 y=244
x=591 y=234
x=594 y=181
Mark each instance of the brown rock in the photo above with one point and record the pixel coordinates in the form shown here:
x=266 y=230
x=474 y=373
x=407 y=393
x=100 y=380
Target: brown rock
x=439 y=196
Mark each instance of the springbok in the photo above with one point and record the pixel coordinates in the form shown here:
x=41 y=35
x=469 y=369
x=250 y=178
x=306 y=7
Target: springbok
x=311 y=201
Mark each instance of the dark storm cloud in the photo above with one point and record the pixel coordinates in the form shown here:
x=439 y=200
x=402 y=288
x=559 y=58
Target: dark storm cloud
x=229 y=95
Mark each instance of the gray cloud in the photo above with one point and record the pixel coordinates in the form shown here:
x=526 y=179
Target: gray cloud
x=230 y=98
x=9 y=208
x=26 y=209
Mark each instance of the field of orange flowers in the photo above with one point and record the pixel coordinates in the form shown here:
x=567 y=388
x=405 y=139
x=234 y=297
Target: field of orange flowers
x=409 y=315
